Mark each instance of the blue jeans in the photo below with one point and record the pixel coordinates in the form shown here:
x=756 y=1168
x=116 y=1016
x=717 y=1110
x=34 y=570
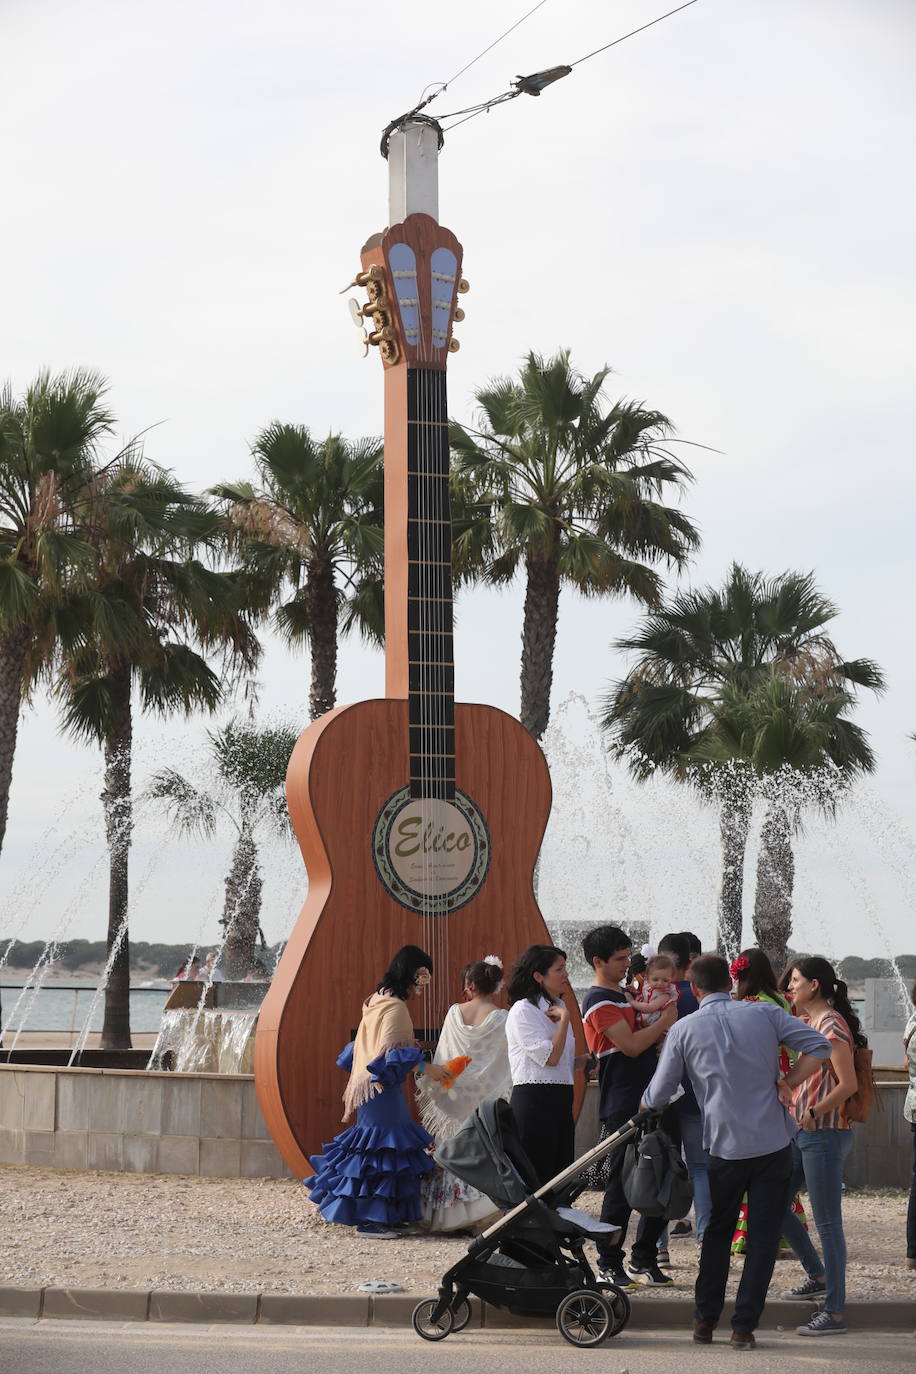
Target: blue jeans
x=697 y=1161
x=819 y=1158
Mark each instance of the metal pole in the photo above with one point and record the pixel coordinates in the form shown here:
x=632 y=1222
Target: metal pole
x=413 y=170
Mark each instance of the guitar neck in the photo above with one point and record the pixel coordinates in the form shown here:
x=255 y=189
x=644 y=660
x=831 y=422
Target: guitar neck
x=419 y=656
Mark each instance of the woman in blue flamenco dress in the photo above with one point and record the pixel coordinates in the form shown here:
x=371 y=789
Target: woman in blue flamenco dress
x=369 y=1175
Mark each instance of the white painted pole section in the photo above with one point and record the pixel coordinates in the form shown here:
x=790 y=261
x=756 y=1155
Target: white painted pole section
x=413 y=172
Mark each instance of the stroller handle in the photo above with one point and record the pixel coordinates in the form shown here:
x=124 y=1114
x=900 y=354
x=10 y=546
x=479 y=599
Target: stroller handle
x=578 y=1166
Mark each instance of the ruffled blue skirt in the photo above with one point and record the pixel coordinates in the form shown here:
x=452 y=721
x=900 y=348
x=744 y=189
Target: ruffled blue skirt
x=371 y=1172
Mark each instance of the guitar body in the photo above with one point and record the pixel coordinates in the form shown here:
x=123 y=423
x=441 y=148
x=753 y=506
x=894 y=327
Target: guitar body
x=350 y=925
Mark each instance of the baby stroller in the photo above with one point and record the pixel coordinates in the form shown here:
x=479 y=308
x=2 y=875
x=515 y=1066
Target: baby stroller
x=532 y=1260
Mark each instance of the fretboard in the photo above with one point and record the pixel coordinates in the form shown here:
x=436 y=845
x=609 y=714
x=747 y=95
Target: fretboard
x=431 y=671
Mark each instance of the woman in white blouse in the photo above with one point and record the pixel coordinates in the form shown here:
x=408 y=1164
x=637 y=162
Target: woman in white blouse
x=542 y=1058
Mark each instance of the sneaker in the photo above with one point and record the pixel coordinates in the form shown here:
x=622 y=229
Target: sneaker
x=911 y=1262
x=377 y=1232
x=618 y=1277
x=663 y=1257
x=649 y=1274
x=681 y=1229
x=822 y=1324
x=811 y=1288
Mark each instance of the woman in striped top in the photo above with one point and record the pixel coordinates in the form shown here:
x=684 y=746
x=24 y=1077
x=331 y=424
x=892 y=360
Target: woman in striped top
x=825 y=1138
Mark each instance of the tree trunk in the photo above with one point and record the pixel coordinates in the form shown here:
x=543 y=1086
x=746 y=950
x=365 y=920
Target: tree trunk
x=775 y=880
x=116 y=801
x=13 y=645
x=321 y=597
x=539 y=636
x=242 y=908
x=734 y=819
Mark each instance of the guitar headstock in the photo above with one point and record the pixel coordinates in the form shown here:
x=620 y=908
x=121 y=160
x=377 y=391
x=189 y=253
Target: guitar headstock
x=412 y=276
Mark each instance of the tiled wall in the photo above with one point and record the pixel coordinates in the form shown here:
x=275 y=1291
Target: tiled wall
x=140 y=1122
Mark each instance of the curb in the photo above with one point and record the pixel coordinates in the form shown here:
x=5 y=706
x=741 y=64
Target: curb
x=361 y=1310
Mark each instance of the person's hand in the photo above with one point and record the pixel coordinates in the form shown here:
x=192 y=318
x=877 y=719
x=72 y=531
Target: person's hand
x=559 y=1014
x=784 y=1092
x=669 y=1016
x=435 y=1072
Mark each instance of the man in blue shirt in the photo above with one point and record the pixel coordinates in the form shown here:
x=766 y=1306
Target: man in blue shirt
x=730 y=1051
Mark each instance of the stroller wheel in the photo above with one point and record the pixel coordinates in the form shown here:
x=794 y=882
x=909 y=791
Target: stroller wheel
x=461 y=1315
x=585 y=1317
x=427 y=1328
x=620 y=1306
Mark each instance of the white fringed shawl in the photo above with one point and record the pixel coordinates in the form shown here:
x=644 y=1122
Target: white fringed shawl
x=486 y=1077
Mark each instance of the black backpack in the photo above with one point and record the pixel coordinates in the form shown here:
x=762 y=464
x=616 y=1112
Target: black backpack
x=655 y=1178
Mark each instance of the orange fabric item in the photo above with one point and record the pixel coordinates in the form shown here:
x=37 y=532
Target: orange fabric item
x=453 y=1069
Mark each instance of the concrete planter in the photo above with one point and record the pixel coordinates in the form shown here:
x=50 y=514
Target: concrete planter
x=166 y=1123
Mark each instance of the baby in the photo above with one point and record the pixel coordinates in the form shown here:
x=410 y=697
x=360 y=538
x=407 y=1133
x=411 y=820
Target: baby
x=658 y=991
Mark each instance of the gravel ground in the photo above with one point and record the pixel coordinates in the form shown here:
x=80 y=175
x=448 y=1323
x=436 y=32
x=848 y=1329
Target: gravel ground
x=114 y=1230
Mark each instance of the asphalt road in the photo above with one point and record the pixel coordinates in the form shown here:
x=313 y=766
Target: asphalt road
x=61 y=1347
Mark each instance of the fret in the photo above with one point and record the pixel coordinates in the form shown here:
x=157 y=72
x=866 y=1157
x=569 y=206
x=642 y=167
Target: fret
x=429 y=617
x=418 y=712
x=425 y=739
x=430 y=680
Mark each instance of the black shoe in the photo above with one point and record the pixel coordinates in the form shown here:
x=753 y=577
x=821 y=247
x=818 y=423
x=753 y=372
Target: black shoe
x=679 y=1229
x=649 y=1274
x=618 y=1277
x=811 y=1288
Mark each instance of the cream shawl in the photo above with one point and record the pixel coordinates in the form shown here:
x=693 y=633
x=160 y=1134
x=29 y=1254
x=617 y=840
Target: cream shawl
x=385 y=1025
x=487 y=1076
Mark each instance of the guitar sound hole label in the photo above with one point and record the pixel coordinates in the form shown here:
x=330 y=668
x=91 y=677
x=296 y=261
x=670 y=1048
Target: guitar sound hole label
x=429 y=853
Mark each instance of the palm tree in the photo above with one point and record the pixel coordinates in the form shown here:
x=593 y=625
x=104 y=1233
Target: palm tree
x=311 y=541
x=705 y=642
x=251 y=767
x=49 y=440
x=569 y=493
x=799 y=743
x=130 y=628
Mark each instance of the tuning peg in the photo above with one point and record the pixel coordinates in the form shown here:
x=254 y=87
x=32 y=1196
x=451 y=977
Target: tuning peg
x=464 y=285
x=384 y=335
x=375 y=273
x=355 y=312
x=459 y=314
x=363 y=344
x=453 y=345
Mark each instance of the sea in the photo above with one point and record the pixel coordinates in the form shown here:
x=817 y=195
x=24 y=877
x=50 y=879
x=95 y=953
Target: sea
x=55 y=1008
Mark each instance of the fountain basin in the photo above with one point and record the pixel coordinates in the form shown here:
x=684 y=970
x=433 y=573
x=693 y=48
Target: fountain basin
x=211 y=1125
x=148 y=1122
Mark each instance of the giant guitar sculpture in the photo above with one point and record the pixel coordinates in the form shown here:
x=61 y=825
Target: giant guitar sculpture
x=419 y=819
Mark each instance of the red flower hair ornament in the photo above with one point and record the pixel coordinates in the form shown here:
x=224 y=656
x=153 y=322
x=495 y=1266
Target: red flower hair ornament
x=739 y=966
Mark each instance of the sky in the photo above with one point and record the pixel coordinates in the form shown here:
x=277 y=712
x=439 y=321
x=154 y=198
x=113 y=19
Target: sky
x=721 y=209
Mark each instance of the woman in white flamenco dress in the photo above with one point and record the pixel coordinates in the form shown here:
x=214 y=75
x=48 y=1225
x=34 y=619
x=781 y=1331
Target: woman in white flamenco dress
x=477 y=1028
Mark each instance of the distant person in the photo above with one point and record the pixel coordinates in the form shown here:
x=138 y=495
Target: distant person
x=189 y=971
x=909 y=1112
x=681 y=946
x=626 y=1061
x=694 y=945
x=542 y=1059
x=754 y=981
x=257 y=972
x=210 y=973
x=730 y=1051
x=824 y=1138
